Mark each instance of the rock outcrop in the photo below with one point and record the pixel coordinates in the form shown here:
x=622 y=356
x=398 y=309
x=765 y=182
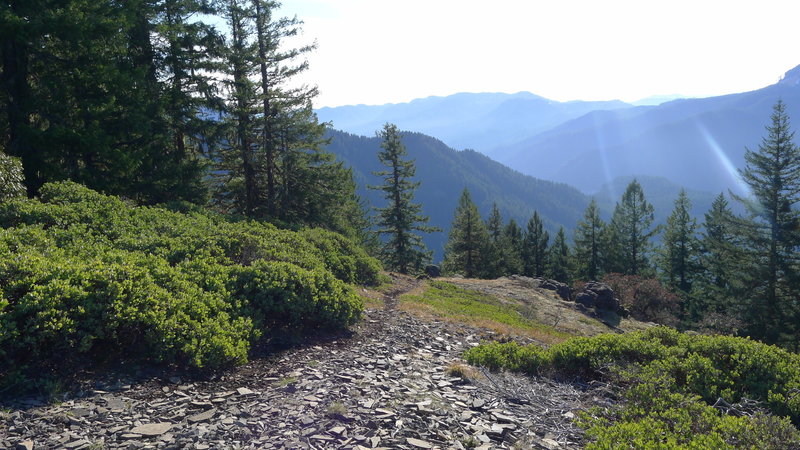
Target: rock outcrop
x=599 y=295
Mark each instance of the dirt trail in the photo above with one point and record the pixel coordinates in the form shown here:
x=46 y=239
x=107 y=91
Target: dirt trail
x=388 y=385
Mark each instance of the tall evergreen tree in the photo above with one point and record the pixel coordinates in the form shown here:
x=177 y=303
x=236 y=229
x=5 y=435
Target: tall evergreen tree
x=83 y=99
x=512 y=248
x=466 y=248
x=630 y=232
x=534 y=247
x=714 y=290
x=401 y=218
x=589 y=243
x=494 y=261
x=559 y=263
x=772 y=232
x=677 y=259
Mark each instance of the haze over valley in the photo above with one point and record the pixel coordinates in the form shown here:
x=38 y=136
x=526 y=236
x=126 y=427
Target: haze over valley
x=696 y=143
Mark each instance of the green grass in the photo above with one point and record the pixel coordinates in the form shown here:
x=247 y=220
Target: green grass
x=449 y=302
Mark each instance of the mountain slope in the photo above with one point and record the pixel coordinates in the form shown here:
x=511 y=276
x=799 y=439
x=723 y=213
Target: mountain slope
x=697 y=143
x=444 y=173
x=477 y=121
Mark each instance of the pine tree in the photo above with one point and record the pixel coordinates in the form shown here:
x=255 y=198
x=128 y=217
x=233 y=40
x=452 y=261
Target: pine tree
x=630 y=233
x=404 y=250
x=512 y=248
x=534 y=247
x=559 y=264
x=770 y=232
x=715 y=287
x=677 y=259
x=238 y=184
x=589 y=244
x=83 y=99
x=466 y=248
x=494 y=261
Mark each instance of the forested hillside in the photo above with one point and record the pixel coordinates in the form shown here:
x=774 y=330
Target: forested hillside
x=444 y=173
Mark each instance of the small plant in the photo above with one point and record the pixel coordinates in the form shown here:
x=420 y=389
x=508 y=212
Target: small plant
x=470 y=442
x=283 y=382
x=462 y=371
x=335 y=409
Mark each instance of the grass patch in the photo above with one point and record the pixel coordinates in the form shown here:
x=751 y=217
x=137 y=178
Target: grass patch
x=446 y=301
x=463 y=371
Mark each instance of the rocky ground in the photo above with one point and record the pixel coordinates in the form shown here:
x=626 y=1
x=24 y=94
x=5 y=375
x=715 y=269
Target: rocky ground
x=392 y=384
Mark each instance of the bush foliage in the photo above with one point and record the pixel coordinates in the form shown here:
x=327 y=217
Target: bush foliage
x=82 y=273
x=672 y=380
x=11 y=178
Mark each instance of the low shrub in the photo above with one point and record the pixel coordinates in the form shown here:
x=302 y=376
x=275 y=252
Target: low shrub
x=672 y=379
x=11 y=178
x=88 y=275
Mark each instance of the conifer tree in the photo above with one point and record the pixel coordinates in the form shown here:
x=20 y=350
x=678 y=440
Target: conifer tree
x=466 y=248
x=630 y=233
x=401 y=218
x=677 y=258
x=558 y=259
x=494 y=260
x=771 y=232
x=715 y=287
x=534 y=247
x=589 y=243
x=512 y=248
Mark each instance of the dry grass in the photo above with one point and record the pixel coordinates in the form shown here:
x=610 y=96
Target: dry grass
x=463 y=371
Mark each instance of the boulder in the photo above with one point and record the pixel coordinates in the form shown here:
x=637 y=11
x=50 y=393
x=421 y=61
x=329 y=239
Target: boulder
x=598 y=295
x=433 y=271
x=561 y=289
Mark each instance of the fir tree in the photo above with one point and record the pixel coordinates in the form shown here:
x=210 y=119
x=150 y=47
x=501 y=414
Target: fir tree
x=466 y=248
x=714 y=289
x=559 y=263
x=534 y=247
x=512 y=248
x=401 y=218
x=771 y=234
x=677 y=259
x=630 y=233
x=495 y=261
x=589 y=243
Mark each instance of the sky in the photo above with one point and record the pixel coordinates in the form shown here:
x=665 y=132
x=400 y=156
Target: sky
x=391 y=51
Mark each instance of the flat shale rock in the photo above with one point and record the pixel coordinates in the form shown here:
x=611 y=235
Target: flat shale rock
x=387 y=386
x=152 y=429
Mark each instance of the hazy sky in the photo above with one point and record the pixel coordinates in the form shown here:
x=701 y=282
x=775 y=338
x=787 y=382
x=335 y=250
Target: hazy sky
x=387 y=51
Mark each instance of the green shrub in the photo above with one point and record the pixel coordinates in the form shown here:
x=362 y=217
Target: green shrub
x=672 y=379
x=11 y=178
x=278 y=293
x=85 y=274
x=348 y=261
x=119 y=304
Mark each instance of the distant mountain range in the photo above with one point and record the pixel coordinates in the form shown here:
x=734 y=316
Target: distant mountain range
x=479 y=122
x=445 y=172
x=698 y=143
